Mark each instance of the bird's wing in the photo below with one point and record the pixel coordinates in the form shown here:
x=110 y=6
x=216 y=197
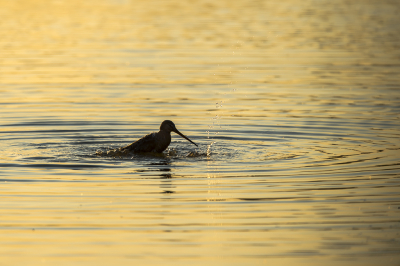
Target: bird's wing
x=145 y=144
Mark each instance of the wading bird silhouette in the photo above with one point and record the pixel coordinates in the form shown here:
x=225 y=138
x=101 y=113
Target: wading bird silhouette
x=156 y=141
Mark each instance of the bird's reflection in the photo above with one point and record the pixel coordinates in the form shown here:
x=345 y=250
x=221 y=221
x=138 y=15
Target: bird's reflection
x=166 y=183
x=166 y=177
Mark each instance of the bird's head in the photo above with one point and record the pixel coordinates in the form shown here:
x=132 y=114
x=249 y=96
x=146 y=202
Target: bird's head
x=169 y=126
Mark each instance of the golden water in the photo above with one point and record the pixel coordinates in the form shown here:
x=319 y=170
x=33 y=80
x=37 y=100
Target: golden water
x=295 y=106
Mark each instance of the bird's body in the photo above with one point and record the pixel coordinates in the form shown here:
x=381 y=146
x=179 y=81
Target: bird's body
x=153 y=142
x=157 y=141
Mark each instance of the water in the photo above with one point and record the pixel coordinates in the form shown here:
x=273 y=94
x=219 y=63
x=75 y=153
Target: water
x=295 y=107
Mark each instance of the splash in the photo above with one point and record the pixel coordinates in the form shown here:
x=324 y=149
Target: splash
x=123 y=153
x=209 y=148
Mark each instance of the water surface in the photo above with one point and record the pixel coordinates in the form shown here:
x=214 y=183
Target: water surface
x=295 y=107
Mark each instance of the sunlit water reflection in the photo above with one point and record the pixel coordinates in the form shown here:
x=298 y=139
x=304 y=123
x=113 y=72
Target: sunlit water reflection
x=295 y=108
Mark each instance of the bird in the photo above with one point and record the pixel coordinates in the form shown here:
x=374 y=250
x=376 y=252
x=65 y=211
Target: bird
x=156 y=142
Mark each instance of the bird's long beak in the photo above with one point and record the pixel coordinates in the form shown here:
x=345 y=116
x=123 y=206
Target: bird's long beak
x=183 y=136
